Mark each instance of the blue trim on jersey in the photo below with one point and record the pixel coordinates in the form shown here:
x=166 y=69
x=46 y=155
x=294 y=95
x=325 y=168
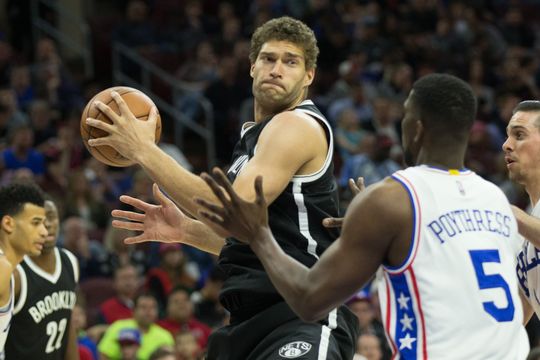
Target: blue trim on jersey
x=413 y=237
x=406 y=331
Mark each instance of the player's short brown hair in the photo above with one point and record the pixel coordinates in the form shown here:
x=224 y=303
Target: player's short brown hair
x=286 y=29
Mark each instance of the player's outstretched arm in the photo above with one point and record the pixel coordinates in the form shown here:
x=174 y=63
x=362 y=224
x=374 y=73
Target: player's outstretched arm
x=165 y=223
x=345 y=266
x=528 y=226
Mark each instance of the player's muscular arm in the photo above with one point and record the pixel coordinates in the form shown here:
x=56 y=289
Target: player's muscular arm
x=5 y=277
x=528 y=226
x=289 y=145
x=372 y=232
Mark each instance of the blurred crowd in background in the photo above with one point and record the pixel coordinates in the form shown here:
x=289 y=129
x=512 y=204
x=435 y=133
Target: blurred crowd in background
x=371 y=53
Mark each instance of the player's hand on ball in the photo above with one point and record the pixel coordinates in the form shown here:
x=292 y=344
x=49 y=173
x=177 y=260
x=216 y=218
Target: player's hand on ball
x=235 y=216
x=164 y=222
x=127 y=134
x=356 y=188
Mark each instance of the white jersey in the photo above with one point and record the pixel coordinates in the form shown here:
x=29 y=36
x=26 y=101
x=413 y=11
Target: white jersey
x=456 y=294
x=6 y=313
x=528 y=269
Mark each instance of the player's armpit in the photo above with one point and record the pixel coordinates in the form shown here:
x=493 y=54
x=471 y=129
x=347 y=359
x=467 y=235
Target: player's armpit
x=289 y=145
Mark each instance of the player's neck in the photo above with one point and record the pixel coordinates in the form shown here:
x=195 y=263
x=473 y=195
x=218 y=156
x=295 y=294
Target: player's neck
x=46 y=261
x=442 y=159
x=262 y=113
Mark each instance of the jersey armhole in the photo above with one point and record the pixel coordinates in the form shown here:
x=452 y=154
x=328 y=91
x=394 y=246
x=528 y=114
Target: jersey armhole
x=24 y=290
x=417 y=218
x=74 y=264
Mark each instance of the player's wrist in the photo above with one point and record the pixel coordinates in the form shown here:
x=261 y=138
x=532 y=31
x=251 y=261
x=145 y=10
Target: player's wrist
x=143 y=153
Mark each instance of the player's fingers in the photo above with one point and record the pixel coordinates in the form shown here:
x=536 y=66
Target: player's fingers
x=138 y=239
x=216 y=189
x=160 y=196
x=136 y=203
x=98 y=124
x=333 y=222
x=99 y=141
x=216 y=209
x=152 y=116
x=122 y=105
x=212 y=217
x=102 y=107
x=259 y=192
x=222 y=180
x=360 y=183
x=135 y=226
x=128 y=215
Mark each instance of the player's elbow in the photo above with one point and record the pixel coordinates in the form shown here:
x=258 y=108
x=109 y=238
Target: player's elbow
x=309 y=311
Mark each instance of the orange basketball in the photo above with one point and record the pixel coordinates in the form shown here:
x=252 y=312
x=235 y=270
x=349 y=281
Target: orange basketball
x=139 y=104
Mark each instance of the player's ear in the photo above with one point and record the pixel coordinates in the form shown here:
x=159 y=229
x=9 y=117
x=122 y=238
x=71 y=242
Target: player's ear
x=310 y=75
x=251 y=69
x=8 y=223
x=419 y=131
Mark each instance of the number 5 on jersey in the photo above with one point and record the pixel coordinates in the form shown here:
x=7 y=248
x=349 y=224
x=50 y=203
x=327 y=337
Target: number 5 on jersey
x=492 y=281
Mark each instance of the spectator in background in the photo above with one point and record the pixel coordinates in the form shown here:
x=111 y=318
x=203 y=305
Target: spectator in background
x=207 y=307
x=83 y=339
x=130 y=342
x=21 y=153
x=20 y=81
x=361 y=305
x=84 y=202
x=120 y=254
x=355 y=100
x=52 y=80
x=226 y=95
x=180 y=316
x=163 y=353
x=126 y=284
x=136 y=31
x=76 y=239
x=349 y=135
x=41 y=119
x=186 y=346
x=173 y=271
x=369 y=348
x=144 y=319
x=374 y=165
x=10 y=114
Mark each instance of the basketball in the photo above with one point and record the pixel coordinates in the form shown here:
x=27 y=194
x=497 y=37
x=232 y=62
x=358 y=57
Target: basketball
x=139 y=104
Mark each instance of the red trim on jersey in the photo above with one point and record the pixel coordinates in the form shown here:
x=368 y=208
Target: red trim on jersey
x=388 y=315
x=419 y=304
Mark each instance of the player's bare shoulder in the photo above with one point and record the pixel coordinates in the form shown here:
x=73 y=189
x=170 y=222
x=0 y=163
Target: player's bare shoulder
x=296 y=122
x=386 y=202
x=294 y=129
